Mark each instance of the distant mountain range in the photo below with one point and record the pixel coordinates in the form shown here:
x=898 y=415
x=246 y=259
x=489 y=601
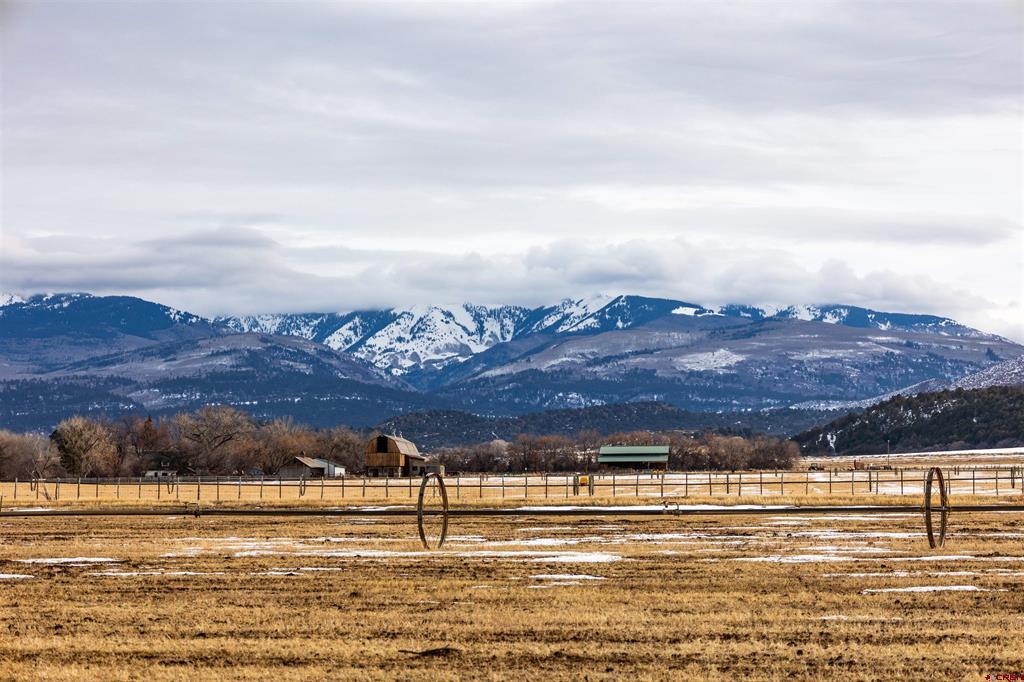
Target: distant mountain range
x=74 y=352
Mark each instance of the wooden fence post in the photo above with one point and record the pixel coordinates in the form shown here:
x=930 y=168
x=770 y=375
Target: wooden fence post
x=686 y=484
x=739 y=484
x=239 y=487
x=261 y=486
x=727 y=483
x=829 y=481
x=760 y=483
x=78 y=491
x=613 y=485
x=637 y=493
x=807 y=483
x=782 y=483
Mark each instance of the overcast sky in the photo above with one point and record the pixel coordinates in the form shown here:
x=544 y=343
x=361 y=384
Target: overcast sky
x=239 y=157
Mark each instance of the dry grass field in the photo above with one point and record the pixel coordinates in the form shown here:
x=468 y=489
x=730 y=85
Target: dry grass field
x=770 y=596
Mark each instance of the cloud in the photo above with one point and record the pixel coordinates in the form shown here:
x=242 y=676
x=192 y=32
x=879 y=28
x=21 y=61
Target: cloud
x=243 y=157
x=236 y=271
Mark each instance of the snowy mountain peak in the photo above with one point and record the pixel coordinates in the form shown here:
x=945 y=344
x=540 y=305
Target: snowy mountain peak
x=9 y=299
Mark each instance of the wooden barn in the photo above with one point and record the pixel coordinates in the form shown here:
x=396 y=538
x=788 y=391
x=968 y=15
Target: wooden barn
x=396 y=456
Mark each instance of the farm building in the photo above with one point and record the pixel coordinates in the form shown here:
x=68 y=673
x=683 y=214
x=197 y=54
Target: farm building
x=311 y=467
x=396 y=456
x=633 y=456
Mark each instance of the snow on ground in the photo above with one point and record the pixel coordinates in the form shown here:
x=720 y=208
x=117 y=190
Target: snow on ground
x=74 y=561
x=566 y=576
x=578 y=558
x=707 y=362
x=133 y=574
x=930 y=588
x=669 y=507
x=15 y=576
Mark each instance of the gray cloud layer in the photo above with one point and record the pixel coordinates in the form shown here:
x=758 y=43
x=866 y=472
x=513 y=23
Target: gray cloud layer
x=238 y=157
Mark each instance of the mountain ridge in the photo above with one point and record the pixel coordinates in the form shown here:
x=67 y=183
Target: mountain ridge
x=486 y=360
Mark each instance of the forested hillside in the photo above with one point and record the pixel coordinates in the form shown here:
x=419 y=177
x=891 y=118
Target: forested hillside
x=955 y=419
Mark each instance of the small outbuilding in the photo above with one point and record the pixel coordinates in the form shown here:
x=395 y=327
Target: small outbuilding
x=398 y=457
x=633 y=456
x=311 y=467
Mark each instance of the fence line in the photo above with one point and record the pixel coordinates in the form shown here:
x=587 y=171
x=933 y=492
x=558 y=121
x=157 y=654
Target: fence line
x=975 y=481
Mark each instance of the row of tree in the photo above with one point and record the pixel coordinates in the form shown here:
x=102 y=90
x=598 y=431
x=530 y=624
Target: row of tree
x=215 y=439
x=226 y=441
x=708 y=451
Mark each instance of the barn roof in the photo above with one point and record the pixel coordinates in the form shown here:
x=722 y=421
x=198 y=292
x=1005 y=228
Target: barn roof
x=313 y=463
x=634 y=450
x=626 y=454
x=406 y=447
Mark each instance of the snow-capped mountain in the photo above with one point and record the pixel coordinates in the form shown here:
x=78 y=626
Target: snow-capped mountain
x=485 y=359
x=1008 y=373
x=8 y=299
x=431 y=338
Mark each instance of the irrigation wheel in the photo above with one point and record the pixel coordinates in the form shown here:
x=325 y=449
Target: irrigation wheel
x=935 y=475
x=432 y=520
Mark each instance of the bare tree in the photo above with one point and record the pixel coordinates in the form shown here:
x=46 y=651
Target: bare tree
x=209 y=435
x=85 y=447
x=137 y=440
x=26 y=455
x=276 y=444
x=342 y=446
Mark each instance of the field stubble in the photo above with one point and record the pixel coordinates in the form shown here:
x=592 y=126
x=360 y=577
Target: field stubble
x=782 y=596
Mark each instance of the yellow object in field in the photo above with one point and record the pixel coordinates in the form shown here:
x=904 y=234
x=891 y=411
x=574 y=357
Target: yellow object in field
x=584 y=480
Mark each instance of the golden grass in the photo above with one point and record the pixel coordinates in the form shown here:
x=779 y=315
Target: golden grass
x=685 y=604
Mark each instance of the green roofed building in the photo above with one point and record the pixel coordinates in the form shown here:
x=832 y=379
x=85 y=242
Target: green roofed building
x=633 y=456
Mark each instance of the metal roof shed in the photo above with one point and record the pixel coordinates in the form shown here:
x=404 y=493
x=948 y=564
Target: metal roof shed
x=634 y=456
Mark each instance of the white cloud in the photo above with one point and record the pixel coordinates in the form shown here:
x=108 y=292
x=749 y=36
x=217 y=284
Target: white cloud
x=234 y=157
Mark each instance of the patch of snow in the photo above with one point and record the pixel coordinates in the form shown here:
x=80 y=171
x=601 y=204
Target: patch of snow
x=707 y=362
x=927 y=588
x=81 y=560
x=685 y=310
x=15 y=576
x=578 y=558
